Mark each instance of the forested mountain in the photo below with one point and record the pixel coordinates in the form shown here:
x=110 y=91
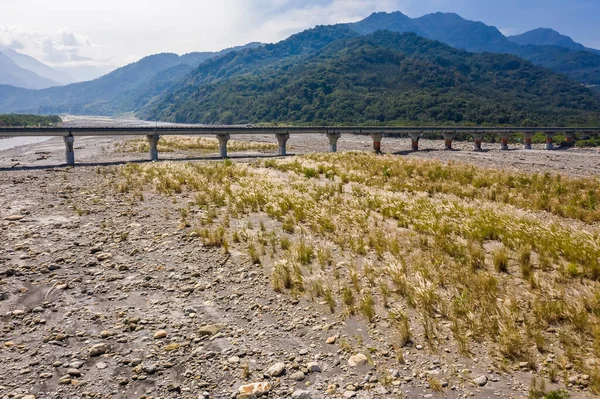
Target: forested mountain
x=12 y=74
x=384 y=77
x=549 y=37
x=449 y=28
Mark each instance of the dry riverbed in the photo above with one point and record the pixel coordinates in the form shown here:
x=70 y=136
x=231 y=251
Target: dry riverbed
x=114 y=292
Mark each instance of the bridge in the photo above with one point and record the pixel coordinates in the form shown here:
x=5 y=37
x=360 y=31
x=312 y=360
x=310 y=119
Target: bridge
x=282 y=134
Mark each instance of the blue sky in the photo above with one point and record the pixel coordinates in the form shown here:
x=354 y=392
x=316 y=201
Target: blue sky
x=105 y=34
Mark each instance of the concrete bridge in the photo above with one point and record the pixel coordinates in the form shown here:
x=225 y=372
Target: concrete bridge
x=282 y=134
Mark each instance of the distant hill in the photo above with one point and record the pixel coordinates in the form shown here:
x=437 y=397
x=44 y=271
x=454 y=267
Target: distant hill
x=124 y=89
x=39 y=68
x=29 y=120
x=14 y=75
x=384 y=77
x=549 y=37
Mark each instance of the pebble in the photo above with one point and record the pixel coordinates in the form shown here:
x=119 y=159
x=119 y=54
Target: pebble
x=299 y=394
x=101 y=365
x=481 y=380
x=298 y=376
x=98 y=349
x=357 y=360
x=160 y=334
x=211 y=329
x=276 y=370
x=331 y=340
x=313 y=367
x=256 y=388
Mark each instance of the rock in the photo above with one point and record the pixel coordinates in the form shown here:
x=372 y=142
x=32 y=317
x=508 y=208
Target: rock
x=172 y=347
x=160 y=334
x=300 y=394
x=349 y=394
x=105 y=334
x=28 y=397
x=98 y=349
x=74 y=372
x=298 y=376
x=313 y=367
x=357 y=360
x=331 y=340
x=276 y=370
x=14 y=218
x=18 y=312
x=103 y=256
x=101 y=365
x=481 y=380
x=210 y=329
x=256 y=389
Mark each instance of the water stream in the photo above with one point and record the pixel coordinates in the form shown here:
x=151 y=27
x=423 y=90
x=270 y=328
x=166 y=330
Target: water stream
x=12 y=142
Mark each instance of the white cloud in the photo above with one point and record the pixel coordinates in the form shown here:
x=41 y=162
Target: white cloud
x=118 y=32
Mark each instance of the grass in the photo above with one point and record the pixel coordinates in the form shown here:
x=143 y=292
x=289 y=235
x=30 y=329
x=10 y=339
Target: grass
x=492 y=260
x=186 y=143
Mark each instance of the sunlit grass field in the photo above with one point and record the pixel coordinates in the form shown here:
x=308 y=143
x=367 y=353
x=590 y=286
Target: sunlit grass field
x=187 y=143
x=505 y=263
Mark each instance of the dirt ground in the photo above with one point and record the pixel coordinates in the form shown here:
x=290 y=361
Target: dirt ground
x=116 y=301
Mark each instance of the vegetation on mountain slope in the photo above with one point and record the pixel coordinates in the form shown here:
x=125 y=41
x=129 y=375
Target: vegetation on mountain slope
x=386 y=78
x=29 y=120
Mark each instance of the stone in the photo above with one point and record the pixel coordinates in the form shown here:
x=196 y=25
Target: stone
x=101 y=365
x=172 y=347
x=349 y=394
x=298 y=376
x=74 y=372
x=160 y=334
x=276 y=370
x=210 y=329
x=28 y=397
x=481 y=380
x=313 y=367
x=103 y=256
x=300 y=394
x=331 y=340
x=98 y=349
x=256 y=389
x=14 y=218
x=357 y=360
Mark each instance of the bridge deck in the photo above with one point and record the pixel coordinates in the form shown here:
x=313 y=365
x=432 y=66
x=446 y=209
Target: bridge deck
x=223 y=130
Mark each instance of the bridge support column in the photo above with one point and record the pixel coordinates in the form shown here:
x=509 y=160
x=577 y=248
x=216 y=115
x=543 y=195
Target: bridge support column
x=333 y=139
x=377 y=137
x=570 y=138
x=153 y=143
x=448 y=138
x=504 y=142
x=477 y=140
x=282 y=139
x=223 y=139
x=414 y=139
x=69 y=151
x=550 y=140
x=527 y=136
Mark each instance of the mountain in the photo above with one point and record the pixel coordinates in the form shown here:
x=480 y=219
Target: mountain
x=583 y=66
x=39 y=68
x=122 y=90
x=14 y=75
x=384 y=77
x=549 y=37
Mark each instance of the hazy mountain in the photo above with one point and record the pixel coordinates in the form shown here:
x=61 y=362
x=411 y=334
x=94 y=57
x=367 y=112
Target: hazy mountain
x=383 y=77
x=549 y=37
x=124 y=89
x=14 y=75
x=41 y=69
x=477 y=37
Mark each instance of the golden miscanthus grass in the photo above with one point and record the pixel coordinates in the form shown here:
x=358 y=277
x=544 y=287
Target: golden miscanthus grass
x=501 y=261
x=187 y=143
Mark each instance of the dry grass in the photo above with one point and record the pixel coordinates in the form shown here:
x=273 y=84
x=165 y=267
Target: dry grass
x=435 y=250
x=186 y=143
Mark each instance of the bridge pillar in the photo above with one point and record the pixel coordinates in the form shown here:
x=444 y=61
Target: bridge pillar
x=377 y=137
x=550 y=140
x=504 y=142
x=333 y=139
x=527 y=140
x=477 y=140
x=448 y=138
x=414 y=138
x=69 y=151
x=570 y=138
x=223 y=139
x=153 y=143
x=282 y=139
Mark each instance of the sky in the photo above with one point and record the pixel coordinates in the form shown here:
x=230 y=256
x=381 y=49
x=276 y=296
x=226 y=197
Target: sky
x=95 y=36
